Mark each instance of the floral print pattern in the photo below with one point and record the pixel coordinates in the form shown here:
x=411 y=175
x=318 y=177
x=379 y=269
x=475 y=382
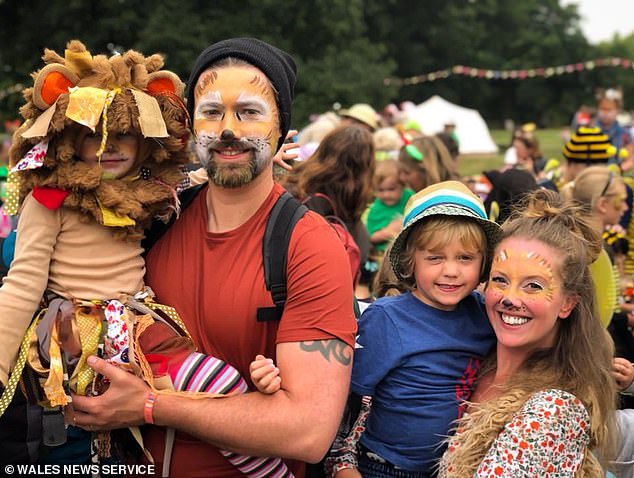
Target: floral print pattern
x=343 y=453
x=546 y=438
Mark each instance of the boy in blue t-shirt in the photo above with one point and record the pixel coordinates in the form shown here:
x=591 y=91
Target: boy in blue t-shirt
x=418 y=354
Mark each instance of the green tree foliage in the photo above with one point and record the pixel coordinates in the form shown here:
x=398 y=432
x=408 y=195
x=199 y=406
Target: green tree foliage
x=337 y=62
x=496 y=34
x=616 y=77
x=344 y=48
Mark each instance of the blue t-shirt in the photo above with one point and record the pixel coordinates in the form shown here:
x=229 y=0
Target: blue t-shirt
x=418 y=363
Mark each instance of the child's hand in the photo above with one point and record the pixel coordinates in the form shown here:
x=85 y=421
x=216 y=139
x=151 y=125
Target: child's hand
x=265 y=374
x=623 y=372
x=395 y=227
x=388 y=233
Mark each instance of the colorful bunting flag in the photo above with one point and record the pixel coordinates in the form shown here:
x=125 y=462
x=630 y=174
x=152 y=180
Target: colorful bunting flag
x=540 y=72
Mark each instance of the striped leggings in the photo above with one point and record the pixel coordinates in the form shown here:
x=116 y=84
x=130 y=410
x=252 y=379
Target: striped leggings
x=204 y=373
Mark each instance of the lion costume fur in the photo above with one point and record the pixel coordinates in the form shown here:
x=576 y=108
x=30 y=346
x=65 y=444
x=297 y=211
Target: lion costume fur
x=149 y=189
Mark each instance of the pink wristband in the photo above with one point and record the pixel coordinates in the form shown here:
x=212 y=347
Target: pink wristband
x=148 y=408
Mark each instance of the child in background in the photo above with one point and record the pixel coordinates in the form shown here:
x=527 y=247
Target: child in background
x=418 y=352
x=385 y=215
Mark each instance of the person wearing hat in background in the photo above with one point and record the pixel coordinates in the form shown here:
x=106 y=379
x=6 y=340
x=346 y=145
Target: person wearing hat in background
x=590 y=146
x=209 y=266
x=360 y=113
x=418 y=352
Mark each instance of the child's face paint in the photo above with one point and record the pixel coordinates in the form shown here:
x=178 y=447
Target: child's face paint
x=524 y=295
x=236 y=123
x=446 y=275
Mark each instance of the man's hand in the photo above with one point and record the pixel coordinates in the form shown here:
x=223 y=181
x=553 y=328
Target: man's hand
x=120 y=406
x=265 y=374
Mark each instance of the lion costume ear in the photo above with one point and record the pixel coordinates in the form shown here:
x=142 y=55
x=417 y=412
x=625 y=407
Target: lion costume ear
x=51 y=82
x=164 y=82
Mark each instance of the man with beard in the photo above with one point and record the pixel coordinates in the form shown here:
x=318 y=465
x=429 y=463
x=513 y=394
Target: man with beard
x=209 y=266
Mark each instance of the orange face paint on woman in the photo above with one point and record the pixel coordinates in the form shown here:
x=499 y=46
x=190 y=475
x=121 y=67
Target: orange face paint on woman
x=525 y=298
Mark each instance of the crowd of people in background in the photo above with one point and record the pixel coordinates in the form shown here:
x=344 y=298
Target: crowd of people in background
x=495 y=313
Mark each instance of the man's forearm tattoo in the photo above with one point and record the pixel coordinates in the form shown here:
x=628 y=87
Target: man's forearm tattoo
x=336 y=349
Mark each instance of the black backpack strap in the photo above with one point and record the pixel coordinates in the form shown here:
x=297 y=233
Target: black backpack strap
x=159 y=228
x=286 y=212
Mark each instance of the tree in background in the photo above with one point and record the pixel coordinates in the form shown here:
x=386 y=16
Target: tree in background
x=495 y=34
x=328 y=38
x=344 y=48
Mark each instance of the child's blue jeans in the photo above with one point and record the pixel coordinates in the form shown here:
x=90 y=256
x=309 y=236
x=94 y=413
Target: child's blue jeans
x=373 y=468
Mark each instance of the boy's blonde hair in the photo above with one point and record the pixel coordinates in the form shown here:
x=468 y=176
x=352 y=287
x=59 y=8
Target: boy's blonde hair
x=435 y=233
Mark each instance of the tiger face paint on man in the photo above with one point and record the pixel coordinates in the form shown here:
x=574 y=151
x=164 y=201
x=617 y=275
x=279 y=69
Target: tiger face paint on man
x=236 y=123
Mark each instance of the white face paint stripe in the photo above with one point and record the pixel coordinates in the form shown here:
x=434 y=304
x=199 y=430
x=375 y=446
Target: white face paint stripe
x=245 y=100
x=213 y=98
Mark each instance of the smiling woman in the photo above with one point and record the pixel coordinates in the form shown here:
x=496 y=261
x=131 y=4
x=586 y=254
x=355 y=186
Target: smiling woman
x=546 y=397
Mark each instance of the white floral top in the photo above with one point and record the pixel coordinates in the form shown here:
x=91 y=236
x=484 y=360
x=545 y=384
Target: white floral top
x=546 y=438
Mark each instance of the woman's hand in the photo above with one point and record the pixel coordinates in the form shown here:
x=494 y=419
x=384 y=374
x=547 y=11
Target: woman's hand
x=623 y=372
x=283 y=155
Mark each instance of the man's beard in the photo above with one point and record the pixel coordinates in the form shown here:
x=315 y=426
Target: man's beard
x=233 y=174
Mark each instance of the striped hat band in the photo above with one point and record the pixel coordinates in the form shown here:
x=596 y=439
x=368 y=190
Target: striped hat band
x=444 y=197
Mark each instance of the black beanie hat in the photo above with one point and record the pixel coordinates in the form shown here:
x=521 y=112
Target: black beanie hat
x=276 y=64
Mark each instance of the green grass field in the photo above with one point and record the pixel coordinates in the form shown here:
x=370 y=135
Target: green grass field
x=550 y=143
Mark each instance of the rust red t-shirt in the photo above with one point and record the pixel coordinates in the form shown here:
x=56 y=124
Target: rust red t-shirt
x=216 y=283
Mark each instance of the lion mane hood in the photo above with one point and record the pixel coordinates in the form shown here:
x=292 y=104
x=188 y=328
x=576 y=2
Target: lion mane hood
x=121 y=94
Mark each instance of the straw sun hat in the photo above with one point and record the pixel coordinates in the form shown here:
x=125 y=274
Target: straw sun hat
x=362 y=112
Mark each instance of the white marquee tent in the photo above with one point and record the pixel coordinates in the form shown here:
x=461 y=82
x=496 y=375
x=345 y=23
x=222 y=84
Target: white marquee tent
x=472 y=131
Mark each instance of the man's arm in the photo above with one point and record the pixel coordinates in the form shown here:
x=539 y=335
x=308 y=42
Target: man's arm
x=298 y=422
